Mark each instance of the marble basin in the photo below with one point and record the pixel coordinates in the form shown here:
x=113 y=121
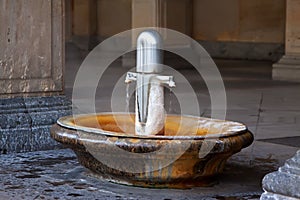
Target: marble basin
x=189 y=152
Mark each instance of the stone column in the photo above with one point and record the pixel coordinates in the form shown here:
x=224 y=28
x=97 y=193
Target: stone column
x=288 y=67
x=31 y=73
x=68 y=20
x=85 y=23
x=148 y=13
x=172 y=14
x=32 y=47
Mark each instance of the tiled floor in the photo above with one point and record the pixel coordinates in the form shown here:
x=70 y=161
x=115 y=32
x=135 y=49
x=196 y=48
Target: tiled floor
x=269 y=108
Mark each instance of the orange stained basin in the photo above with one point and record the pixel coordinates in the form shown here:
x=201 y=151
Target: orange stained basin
x=188 y=152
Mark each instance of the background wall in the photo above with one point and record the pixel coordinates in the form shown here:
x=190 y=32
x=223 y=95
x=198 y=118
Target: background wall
x=239 y=20
x=227 y=28
x=240 y=29
x=114 y=16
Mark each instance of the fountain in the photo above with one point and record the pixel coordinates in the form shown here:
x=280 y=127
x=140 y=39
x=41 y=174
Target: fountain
x=150 y=117
x=155 y=150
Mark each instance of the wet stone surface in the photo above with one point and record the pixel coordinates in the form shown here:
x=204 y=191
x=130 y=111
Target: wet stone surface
x=56 y=174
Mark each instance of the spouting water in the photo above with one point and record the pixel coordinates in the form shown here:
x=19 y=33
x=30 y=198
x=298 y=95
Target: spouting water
x=170 y=110
x=125 y=126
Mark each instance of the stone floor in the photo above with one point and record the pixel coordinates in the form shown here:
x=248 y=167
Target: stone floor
x=56 y=174
x=270 y=109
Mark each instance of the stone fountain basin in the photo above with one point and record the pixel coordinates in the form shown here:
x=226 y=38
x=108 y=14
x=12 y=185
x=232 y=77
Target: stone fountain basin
x=190 y=152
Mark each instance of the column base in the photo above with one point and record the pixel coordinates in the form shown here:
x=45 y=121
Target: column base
x=25 y=122
x=287 y=69
x=284 y=183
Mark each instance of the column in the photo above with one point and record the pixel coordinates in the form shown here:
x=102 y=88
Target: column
x=68 y=20
x=85 y=23
x=288 y=67
x=31 y=73
x=172 y=14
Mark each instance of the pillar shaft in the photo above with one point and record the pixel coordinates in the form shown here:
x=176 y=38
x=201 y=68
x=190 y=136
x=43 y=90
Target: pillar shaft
x=288 y=67
x=32 y=47
x=172 y=14
x=31 y=64
x=84 y=22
